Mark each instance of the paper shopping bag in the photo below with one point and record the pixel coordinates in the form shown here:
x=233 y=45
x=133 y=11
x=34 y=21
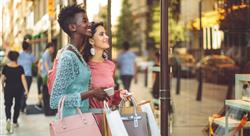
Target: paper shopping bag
x=154 y=129
x=106 y=129
x=115 y=123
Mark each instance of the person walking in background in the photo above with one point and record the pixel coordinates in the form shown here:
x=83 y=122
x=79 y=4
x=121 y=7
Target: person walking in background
x=46 y=65
x=127 y=65
x=26 y=59
x=156 y=80
x=156 y=75
x=72 y=79
x=102 y=69
x=39 y=82
x=15 y=85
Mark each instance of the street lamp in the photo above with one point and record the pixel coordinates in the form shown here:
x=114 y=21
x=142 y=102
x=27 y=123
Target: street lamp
x=164 y=76
x=199 y=92
x=109 y=29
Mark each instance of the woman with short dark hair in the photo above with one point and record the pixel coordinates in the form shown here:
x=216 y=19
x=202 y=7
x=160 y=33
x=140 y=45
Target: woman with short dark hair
x=14 y=83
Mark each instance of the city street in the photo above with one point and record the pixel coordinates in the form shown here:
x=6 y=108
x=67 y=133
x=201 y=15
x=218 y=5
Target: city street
x=190 y=116
x=205 y=40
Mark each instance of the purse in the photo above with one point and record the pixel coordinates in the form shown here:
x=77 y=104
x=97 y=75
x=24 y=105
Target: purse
x=136 y=123
x=75 y=125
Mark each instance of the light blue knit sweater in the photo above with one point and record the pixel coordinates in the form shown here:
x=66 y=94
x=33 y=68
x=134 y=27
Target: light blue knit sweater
x=72 y=78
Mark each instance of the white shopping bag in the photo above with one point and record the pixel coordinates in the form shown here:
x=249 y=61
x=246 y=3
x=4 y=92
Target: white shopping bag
x=115 y=123
x=155 y=131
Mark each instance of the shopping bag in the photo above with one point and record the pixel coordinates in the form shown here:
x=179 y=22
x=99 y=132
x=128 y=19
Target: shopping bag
x=75 y=125
x=115 y=123
x=154 y=129
x=136 y=123
x=106 y=130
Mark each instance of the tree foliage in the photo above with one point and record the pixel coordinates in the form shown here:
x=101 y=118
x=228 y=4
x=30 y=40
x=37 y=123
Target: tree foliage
x=102 y=15
x=177 y=31
x=126 y=30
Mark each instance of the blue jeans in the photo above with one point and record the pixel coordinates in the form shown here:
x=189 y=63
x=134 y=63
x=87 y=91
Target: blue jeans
x=126 y=81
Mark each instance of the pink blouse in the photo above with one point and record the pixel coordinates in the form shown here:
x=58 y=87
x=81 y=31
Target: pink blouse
x=102 y=75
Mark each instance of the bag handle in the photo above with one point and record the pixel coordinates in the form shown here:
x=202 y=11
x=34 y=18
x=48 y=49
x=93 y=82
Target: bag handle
x=136 y=117
x=106 y=107
x=122 y=103
x=60 y=109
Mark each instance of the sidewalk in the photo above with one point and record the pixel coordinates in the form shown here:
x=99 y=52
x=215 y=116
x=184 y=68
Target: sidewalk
x=190 y=116
x=30 y=125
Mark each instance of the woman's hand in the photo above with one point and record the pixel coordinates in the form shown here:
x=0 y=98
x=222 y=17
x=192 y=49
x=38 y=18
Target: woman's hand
x=26 y=94
x=100 y=94
x=124 y=94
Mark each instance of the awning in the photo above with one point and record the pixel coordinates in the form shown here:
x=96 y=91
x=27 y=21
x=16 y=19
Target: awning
x=209 y=19
x=42 y=25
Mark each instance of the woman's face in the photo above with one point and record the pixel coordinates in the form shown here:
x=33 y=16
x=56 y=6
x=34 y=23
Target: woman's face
x=100 y=38
x=82 y=24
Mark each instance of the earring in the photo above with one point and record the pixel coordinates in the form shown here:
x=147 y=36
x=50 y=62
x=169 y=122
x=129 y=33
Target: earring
x=92 y=51
x=105 y=55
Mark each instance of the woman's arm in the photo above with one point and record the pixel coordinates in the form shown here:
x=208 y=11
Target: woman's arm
x=98 y=93
x=65 y=76
x=3 y=78
x=119 y=94
x=25 y=85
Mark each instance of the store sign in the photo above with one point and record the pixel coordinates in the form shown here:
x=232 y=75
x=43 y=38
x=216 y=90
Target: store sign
x=42 y=25
x=51 y=8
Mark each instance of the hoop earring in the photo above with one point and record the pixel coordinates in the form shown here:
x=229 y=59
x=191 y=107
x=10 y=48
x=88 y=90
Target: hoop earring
x=92 y=51
x=105 y=55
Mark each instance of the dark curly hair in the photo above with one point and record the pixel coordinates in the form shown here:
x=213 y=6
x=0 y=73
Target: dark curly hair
x=86 y=52
x=67 y=16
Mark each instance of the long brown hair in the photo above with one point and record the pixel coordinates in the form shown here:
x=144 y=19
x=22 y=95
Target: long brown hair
x=86 y=52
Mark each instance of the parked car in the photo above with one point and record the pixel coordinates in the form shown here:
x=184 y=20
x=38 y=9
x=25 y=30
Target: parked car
x=185 y=63
x=219 y=69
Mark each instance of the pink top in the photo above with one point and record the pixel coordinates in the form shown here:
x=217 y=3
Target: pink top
x=102 y=75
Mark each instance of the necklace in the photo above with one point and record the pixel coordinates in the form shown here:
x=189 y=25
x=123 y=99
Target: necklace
x=78 y=53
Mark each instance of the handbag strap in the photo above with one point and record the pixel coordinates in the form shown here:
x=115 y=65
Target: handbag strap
x=60 y=108
x=78 y=54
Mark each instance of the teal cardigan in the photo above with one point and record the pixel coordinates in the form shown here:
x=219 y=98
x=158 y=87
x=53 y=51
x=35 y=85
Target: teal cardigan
x=72 y=78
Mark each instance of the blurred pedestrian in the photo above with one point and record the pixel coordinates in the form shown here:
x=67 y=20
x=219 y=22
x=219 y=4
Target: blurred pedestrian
x=26 y=59
x=102 y=69
x=46 y=65
x=127 y=65
x=15 y=85
x=39 y=82
x=73 y=74
x=156 y=75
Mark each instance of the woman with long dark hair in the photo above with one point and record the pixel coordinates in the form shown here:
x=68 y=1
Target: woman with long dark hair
x=102 y=69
